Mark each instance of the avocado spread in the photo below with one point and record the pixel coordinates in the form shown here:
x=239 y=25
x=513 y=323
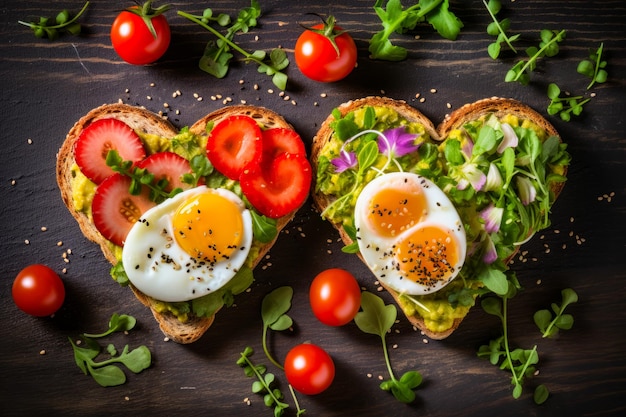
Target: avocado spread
x=447 y=164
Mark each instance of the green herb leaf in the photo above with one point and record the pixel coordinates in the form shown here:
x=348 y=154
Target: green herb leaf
x=550 y=326
x=117 y=323
x=548 y=47
x=263 y=228
x=594 y=67
x=396 y=19
x=541 y=394
x=375 y=317
x=275 y=305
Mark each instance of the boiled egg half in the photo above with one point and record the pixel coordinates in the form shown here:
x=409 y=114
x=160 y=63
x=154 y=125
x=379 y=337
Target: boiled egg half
x=189 y=245
x=409 y=233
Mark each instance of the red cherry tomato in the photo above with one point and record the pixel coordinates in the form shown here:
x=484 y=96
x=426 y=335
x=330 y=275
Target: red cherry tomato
x=38 y=291
x=309 y=369
x=335 y=297
x=317 y=58
x=132 y=39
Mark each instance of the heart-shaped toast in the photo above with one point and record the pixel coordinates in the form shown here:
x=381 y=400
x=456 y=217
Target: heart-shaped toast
x=166 y=217
x=437 y=213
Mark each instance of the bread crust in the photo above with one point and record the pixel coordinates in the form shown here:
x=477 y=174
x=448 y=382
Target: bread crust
x=456 y=119
x=151 y=123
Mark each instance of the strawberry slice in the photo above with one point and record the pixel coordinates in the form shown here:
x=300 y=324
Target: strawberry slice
x=98 y=139
x=279 y=140
x=115 y=210
x=279 y=188
x=169 y=166
x=234 y=143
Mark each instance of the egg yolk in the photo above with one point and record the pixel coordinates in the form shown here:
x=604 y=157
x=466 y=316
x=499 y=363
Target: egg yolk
x=427 y=256
x=208 y=227
x=393 y=210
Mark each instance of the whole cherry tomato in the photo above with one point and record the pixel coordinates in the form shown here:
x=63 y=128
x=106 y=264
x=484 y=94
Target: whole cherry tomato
x=141 y=35
x=335 y=297
x=325 y=52
x=38 y=290
x=309 y=369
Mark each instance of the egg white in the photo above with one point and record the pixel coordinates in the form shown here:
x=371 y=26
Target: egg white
x=157 y=266
x=378 y=251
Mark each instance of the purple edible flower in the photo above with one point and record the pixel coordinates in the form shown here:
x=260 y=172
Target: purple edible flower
x=491 y=254
x=492 y=216
x=345 y=161
x=526 y=190
x=397 y=142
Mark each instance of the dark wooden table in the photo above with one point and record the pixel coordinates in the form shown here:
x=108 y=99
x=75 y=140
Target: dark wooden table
x=46 y=86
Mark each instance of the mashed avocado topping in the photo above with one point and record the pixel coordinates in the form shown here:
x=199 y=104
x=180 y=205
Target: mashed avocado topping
x=498 y=173
x=187 y=145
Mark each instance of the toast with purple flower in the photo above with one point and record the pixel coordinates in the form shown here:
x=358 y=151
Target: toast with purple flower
x=485 y=180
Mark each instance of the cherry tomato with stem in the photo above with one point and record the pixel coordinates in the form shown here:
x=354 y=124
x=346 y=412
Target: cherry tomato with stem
x=325 y=52
x=335 y=296
x=309 y=369
x=141 y=35
x=38 y=290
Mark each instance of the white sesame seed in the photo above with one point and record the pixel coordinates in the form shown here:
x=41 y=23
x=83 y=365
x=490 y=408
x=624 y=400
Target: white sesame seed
x=270 y=91
x=323 y=95
x=152 y=84
x=13 y=182
x=42 y=352
x=433 y=90
x=44 y=228
x=30 y=141
x=27 y=242
x=60 y=243
x=148 y=97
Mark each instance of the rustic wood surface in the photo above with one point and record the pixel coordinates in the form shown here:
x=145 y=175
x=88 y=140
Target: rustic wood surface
x=46 y=86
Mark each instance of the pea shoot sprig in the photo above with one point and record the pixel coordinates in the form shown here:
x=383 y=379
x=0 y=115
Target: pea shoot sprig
x=50 y=28
x=140 y=177
x=521 y=362
x=564 y=106
x=550 y=326
x=377 y=318
x=594 y=67
x=105 y=372
x=397 y=19
x=216 y=61
x=499 y=29
x=274 y=308
x=548 y=47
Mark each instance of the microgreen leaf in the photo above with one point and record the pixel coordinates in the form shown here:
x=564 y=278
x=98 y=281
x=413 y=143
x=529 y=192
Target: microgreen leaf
x=541 y=394
x=105 y=372
x=140 y=177
x=117 y=323
x=548 y=47
x=45 y=27
x=263 y=228
x=272 y=397
x=550 y=326
x=377 y=318
x=396 y=19
x=594 y=67
x=498 y=29
x=564 y=106
x=217 y=54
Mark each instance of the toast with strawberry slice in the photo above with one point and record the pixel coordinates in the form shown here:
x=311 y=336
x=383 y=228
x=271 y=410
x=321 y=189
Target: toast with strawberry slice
x=101 y=199
x=500 y=163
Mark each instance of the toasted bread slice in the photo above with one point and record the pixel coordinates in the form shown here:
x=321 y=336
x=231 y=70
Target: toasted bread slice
x=150 y=123
x=469 y=112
